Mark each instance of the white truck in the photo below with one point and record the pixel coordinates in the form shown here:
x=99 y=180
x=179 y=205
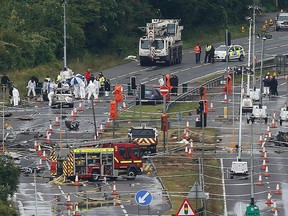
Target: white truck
x=240 y=169
x=161 y=43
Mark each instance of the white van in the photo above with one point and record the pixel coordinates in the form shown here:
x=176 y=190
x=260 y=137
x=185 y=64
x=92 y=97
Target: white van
x=281 y=21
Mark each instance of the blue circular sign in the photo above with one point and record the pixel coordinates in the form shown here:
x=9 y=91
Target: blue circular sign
x=143 y=197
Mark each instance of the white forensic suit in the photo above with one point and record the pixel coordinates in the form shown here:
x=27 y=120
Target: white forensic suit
x=91 y=90
x=82 y=90
x=97 y=87
x=50 y=97
x=15 y=96
x=31 y=87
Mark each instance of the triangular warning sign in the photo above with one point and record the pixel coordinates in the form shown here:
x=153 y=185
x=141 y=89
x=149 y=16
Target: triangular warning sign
x=186 y=209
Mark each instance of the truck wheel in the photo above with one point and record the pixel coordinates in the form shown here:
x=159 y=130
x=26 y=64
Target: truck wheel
x=252 y=120
x=248 y=121
x=281 y=121
x=231 y=176
x=132 y=173
x=95 y=175
x=266 y=120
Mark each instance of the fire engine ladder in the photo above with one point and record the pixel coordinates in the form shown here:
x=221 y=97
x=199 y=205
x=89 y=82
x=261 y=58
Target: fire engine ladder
x=101 y=142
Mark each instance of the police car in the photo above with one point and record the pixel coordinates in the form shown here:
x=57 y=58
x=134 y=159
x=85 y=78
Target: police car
x=233 y=52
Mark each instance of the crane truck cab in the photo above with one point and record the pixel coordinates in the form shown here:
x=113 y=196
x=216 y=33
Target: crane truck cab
x=161 y=42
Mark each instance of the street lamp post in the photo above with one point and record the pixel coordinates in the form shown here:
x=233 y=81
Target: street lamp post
x=65 y=51
x=249 y=53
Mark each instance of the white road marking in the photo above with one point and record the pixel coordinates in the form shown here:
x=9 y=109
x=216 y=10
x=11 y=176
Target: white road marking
x=284 y=45
x=197 y=66
x=272 y=48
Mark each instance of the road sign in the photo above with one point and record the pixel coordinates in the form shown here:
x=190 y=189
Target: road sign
x=143 y=197
x=196 y=192
x=164 y=90
x=252 y=210
x=186 y=209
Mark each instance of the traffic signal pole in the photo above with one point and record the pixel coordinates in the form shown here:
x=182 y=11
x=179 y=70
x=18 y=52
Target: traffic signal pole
x=164 y=132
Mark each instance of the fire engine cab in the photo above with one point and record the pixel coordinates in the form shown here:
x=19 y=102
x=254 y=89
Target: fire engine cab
x=146 y=137
x=108 y=159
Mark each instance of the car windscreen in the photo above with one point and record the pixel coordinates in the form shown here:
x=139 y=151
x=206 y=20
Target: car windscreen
x=144 y=44
x=283 y=18
x=221 y=48
x=158 y=44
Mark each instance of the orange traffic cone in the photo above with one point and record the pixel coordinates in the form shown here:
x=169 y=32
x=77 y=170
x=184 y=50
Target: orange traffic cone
x=265 y=157
x=39 y=150
x=266 y=174
x=268 y=130
x=108 y=123
x=50 y=129
x=274 y=206
x=35 y=145
x=260 y=182
x=273 y=124
x=68 y=202
x=186 y=151
x=80 y=108
x=114 y=191
x=261 y=140
x=117 y=201
x=264 y=165
x=57 y=123
x=187 y=136
x=187 y=126
x=211 y=108
x=48 y=138
x=77 y=213
x=269 y=201
x=269 y=136
x=191 y=145
x=76 y=182
x=277 y=191
x=96 y=99
x=189 y=153
x=101 y=130
x=263 y=151
x=124 y=106
x=75 y=112
x=44 y=156
x=72 y=115
x=40 y=163
x=225 y=99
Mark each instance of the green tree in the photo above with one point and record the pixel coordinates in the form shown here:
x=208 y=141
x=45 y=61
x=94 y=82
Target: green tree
x=9 y=177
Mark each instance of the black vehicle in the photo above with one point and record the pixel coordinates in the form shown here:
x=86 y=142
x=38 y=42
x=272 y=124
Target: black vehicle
x=152 y=96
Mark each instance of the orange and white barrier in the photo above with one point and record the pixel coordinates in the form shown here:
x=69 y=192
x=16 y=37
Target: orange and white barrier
x=80 y=108
x=57 y=123
x=76 y=182
x=277 y=191
x=114 y=191
x=260 y=182
x=266 y=174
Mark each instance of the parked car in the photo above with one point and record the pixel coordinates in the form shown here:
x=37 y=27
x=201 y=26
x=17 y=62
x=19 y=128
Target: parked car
x=222 y=53
x=152 y=96
x=65 y=99
x=281 y=21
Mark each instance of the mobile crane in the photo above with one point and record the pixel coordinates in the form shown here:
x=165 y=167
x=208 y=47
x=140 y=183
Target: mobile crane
x=161 y=43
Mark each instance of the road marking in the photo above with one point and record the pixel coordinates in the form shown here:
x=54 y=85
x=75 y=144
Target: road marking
x=197 y=66
x=272 y=48
x=124 y=211
x=283 y=37
x=21 y=208
x=224 y=190
x=284 y=45
x=40 y=196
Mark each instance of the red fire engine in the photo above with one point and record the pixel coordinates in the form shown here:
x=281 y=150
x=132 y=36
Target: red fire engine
x=108 y=159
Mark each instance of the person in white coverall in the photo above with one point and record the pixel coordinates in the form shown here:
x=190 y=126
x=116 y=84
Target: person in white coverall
x=97 y=87
x=15 y=96
x=161 y=81
x=31 y=87
x=50 y=97
x=82 y=89
x=91 y=90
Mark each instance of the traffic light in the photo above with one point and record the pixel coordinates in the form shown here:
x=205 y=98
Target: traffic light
x=142 y=91
x=118 y=93
x=113 y=110
x=202 y=92
x=133 y=82
x=164 y=122
x=201 y=107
